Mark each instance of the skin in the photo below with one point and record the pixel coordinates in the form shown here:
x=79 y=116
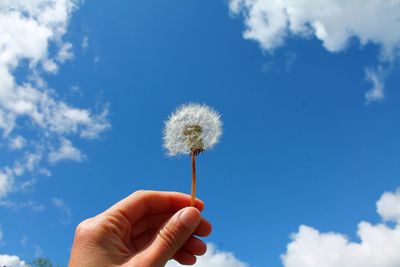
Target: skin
x=147 y=228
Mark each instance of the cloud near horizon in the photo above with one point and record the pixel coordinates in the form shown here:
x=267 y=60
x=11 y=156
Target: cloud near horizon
x=379 y=244
x=335 y=23
x=214 y=258
x=33 y=118
x=378 y=247
x=12 y=261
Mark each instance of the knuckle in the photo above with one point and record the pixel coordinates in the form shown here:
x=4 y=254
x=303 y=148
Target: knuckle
x=168 y=238
x=85 y=228
x=139 y=193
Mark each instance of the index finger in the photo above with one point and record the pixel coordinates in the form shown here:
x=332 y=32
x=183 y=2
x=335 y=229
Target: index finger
x=144 y=202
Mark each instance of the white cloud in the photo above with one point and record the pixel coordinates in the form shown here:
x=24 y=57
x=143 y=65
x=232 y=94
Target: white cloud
x=32 y=160
x=376 y=93
x=65 y=53
x=379 y=244
x=15 y=261
x=66 y=151
x=65 y=210
x=334 y=22
x=214 y=258
x=27 y=30
x=17 y=143
x=288 y=63
x=388 y=206
x=85 y=43
x=52 y=116
x=57 y=202
x=28 y=163
x=6 y=182
x=12 y=261
x=29 y=205
x=50 y=66
x=25 y=186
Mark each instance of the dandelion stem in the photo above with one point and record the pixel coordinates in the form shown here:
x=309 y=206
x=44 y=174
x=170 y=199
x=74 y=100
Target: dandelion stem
x=193 y=179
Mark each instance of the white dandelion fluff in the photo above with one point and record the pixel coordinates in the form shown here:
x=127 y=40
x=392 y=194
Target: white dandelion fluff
x=192 y=128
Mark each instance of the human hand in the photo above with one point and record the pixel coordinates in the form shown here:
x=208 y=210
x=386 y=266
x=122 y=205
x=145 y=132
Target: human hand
x=146 y=229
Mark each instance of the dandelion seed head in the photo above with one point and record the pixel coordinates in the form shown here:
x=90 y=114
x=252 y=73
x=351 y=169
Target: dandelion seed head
x=192 y=127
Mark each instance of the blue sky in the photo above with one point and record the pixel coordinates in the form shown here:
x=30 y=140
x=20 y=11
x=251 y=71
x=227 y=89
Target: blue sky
x=302 y=143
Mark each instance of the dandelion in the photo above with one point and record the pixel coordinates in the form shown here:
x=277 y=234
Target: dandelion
x=191 y=130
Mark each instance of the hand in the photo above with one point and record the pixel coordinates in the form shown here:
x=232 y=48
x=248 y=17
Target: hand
x=147 y=228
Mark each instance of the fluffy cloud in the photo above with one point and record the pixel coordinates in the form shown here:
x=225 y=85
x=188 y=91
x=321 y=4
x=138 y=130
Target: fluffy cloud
x=65 y=53
x=379 y=244
x=214 y=258
x=6 y=182
x=388 y=206
x=376 y=93
x=17 y=142
x=27 y=31
x=8 y=260
x=12 y=261
x=66 y=152
x=334 y=22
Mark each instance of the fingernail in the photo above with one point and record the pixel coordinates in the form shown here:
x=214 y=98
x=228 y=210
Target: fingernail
x=190 y=218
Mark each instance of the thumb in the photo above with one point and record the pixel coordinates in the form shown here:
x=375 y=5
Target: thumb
x=172 y=236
